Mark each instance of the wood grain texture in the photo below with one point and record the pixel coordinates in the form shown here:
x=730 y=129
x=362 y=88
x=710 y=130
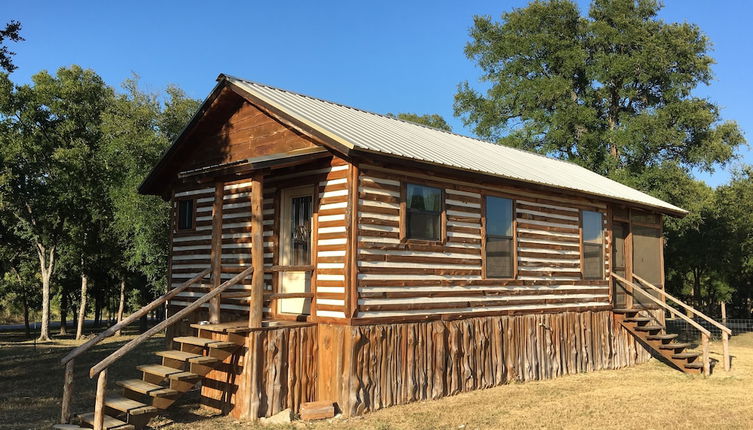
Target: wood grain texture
x=394 y=364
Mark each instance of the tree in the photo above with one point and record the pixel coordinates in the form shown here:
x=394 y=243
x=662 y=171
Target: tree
x=11 y=32
x=609 y=91
x=138 y=128
x=431 y=120
x=50 y=130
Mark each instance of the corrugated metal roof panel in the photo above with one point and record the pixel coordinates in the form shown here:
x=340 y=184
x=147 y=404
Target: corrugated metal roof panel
x=378 y=133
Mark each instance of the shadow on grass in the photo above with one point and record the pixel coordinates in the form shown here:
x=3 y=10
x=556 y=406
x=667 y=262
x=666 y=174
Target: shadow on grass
x=31 y=377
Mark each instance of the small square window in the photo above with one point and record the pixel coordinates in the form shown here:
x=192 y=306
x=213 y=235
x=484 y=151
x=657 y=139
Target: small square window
x=185 y=214
x=424 y=212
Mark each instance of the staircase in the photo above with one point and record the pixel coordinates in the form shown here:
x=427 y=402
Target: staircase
x=160 y=385
x=181 y=369
x=654 y=335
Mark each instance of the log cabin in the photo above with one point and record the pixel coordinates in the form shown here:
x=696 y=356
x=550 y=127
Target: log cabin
x=322 y=253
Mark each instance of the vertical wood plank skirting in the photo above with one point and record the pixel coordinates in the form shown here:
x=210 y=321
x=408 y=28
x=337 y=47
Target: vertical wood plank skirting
x=216 y=251
x=395 y=364
x=257 y=251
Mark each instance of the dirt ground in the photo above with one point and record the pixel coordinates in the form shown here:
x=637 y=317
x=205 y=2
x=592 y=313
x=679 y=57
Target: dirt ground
x=651 y=395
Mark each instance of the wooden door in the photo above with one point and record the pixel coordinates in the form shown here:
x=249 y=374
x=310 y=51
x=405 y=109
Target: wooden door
x=648 y=260
x=295 y=247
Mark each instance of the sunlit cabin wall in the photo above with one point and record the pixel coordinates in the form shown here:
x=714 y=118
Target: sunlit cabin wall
x=411 y=279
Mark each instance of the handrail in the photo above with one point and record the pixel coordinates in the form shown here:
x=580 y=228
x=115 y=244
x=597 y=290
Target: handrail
x=664 y=305
x=687 y=307
x=104 y=364
x=133 y=317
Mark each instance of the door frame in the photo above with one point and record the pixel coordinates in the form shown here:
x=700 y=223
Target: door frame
x=286 y=195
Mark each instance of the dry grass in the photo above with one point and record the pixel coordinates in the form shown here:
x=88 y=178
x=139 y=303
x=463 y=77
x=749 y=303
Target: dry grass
x=646 y=396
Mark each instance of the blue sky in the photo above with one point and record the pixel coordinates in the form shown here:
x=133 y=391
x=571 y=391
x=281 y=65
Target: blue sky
x=380 y=56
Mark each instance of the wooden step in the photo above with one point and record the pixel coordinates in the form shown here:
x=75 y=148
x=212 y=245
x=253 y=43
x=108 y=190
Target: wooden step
x=204 y=342
x=649 y=328
x=626 y=311
x=686 y=355
x=638 y=319
x=144 y=387
x=663 y=336
x=693 y=365
x=187 y=356
x=110 y=422
x=129 y=406
x=674 y=345
x=67 y=427
x=168 y=372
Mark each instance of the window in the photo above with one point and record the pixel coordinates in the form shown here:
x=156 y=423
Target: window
x=423 y=218
x=593 y=245
x=185 y=214
x=499 y=238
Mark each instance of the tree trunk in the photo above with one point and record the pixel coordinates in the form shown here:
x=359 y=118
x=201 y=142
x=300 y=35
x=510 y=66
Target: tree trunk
x=63 y=312
x=97 y=308
x=82 y=307
x=27 y=326
x=121 y=305
x=46 y=265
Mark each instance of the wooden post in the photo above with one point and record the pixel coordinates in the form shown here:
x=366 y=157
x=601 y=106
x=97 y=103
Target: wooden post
x=65 y=413
x=257 y=251
x=216 y=252
x=724 y=313
x=725 y=351
x=705 y=346
x=99 y=406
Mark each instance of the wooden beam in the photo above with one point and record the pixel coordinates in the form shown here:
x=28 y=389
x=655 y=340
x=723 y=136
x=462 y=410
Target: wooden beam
x=216 y=251
x=257 y=251
x=99 y=406
x=351 y=293
x=65 y=414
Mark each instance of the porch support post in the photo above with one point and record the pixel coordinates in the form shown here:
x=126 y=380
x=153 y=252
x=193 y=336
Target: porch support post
x=257 y=251
x=216 y=252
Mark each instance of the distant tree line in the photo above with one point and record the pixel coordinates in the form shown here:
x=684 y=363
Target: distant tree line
x=75 y=236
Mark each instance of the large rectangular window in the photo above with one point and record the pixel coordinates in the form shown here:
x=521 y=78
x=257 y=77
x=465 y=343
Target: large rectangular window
x=593 y=245
x=423 y=216
x=499 y=238
x=185 y=214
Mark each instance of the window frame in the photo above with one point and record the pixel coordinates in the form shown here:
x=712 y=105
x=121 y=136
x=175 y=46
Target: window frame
x=403 y=227
x=514 y=237
x=177 y=215
x=583 y=243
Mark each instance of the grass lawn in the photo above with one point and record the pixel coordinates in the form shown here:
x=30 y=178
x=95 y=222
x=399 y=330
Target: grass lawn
x=647 y=396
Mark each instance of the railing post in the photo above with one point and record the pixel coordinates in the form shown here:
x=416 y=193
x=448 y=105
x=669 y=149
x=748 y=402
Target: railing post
x=65 y=412
x=725 y=349
x=706 y=362
x=99 y=406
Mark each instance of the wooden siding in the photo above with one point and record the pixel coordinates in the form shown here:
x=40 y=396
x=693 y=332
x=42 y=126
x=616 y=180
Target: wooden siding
x=237 y=130
x=398 y=278
x=191 y=251
x=392 y=364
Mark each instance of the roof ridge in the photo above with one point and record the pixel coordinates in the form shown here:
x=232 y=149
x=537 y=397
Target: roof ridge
x=525 y=151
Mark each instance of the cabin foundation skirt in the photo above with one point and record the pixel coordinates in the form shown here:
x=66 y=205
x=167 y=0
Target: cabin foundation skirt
x=394 y=364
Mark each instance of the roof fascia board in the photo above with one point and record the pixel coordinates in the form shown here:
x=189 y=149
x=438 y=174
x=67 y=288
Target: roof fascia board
x=146 y=185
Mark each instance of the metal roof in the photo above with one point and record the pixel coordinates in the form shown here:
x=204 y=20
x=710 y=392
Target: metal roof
x=359 y=129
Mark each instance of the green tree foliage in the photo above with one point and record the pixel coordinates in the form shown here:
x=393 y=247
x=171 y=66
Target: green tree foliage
x=12 y=32
x=612 y=90
x=51 y=130
x=431 y=120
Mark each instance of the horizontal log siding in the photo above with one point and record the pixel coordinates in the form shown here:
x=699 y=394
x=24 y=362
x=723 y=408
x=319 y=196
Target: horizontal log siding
x=190 y=250
x=424 y=279
x=400 y=363
x=331 y=241
x=236 y=244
